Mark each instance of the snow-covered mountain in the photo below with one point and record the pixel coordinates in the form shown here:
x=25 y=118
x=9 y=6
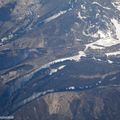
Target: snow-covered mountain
x=49 y=46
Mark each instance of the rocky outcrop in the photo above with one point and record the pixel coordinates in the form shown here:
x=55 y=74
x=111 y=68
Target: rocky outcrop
x=96 y=104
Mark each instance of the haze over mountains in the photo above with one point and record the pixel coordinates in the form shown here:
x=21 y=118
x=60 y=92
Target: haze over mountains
x=59 y=59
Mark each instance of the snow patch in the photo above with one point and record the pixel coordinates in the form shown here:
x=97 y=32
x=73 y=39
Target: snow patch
x=109 y=61
x=106 y=39
x=35 y=95
x=107 y=8
x=116 y=4
x=55 y=16
x=79 y=16
x=71 y=88
x=117 y=26
x=56 y=70
x=113 y=53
